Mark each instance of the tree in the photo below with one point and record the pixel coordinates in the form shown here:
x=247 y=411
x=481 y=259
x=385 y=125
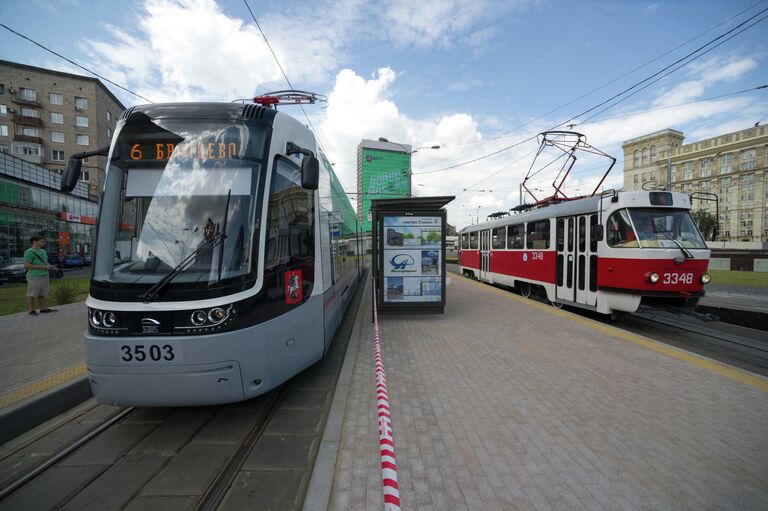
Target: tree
x=706 y=222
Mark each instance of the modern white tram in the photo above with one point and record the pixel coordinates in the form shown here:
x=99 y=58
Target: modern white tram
x=613 y=253
x=226 y=254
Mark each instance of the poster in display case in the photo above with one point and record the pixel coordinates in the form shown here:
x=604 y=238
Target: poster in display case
x=412 y=257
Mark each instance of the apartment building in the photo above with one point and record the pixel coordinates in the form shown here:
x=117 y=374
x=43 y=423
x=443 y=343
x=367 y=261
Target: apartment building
x=45 y=116
x=732 y=166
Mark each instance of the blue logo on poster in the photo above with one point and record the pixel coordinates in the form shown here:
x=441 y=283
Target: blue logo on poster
x=401 y=261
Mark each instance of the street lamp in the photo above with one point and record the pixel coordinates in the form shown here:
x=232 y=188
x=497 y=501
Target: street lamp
x=409 y=153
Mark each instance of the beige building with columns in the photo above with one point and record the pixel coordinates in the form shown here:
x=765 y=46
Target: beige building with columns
x=732 y=166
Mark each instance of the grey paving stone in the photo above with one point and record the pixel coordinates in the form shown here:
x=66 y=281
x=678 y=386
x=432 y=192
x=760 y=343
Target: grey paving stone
x=279 y=452
x=295 y=421
x=265 y=491
x=306 y=398
x=224 y=429
x=162 y=504
x=52 y=489
x=190 y=472
x=169 y=437
x=113 y=489
x=110 y=445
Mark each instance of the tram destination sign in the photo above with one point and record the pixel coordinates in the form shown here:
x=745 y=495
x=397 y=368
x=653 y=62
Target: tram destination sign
x=155 y=151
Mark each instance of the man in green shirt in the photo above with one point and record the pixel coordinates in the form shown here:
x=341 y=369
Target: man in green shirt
x=36 y=263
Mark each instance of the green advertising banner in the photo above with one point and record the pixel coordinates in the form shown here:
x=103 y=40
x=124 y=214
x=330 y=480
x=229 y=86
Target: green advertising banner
x=384 y=176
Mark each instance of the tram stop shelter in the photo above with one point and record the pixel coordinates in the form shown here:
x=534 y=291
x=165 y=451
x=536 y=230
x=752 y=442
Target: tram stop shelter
x=408 y=238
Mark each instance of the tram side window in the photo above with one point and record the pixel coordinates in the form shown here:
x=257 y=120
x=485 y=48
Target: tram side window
x=538 y=235
x=516 y=236
x=464 y=241
x=620 y=233
x=290 y=221
x=499 y=237
x=473 y=240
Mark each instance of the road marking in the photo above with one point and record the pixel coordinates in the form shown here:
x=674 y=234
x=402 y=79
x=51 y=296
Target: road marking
x=751 y=379
x=39 y=386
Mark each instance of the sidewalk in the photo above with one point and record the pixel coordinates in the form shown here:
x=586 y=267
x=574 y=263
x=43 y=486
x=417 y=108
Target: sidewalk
x=503 y=403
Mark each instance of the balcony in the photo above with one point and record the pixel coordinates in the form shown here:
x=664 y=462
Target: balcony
x=28 y=139
x=24 y=101
x=27 y=121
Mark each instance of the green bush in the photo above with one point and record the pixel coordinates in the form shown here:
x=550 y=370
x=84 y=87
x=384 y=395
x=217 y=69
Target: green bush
x=66 y=292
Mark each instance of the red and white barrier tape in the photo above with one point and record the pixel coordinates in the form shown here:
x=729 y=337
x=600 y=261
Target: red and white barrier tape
x=386 y=438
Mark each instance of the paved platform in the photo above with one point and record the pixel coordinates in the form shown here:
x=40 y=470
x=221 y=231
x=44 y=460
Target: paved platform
x=505 y=403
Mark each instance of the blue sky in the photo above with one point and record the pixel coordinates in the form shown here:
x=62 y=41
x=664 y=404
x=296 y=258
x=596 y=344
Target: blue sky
x=472 y=76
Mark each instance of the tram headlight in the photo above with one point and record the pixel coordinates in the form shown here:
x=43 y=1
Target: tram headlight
x=653 y=277
x=109 y=319
x=216 y=315
x=198 y=318
x=705 y=278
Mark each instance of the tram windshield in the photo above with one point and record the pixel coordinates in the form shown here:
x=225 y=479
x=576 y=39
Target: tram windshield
x=653 y=228
x=179 y=197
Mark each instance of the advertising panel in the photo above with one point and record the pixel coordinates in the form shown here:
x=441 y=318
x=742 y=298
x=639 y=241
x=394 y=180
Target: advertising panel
x=412 y=259
x=385 y=174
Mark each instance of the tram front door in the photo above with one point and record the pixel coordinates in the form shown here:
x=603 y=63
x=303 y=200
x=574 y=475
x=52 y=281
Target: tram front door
x=576 y=267
x=485 y=255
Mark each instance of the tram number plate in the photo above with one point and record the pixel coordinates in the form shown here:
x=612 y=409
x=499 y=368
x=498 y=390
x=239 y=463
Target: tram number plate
x=148 y=353
x=677 y=278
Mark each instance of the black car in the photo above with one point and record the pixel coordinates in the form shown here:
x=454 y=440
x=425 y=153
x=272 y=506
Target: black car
x=15 y=272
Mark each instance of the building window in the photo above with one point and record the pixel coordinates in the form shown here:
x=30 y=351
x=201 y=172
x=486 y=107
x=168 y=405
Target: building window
x=109 y=132
x=82 y=140
x=81 y=121
x=749 y=159
x=56 y=98
x=57 y=136
x=3 y=130
x=726 y=163
x=28 y=94
x=653 y=175
x=109 y=116
x=645 y=156
x=3 y=110
x=687 y=170
x=644 y=177
x=705 y=165
x=57 y=118
x=2 y=89
x=85 y=175
x=747 y=190
x=28 y=112
x=30 y=132
x=636 y=159
x=81 y=103
x=3 y=148
x=26 y=149
x=673 y=174
x=57 y=155
x=653 y=153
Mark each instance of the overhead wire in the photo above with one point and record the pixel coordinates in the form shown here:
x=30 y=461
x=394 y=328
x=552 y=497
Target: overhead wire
x=690 y=57
x=279 y=65
x=94 y=73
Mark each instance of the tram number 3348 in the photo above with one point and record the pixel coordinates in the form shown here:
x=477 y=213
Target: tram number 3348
x=140 y=353
x=677 y=278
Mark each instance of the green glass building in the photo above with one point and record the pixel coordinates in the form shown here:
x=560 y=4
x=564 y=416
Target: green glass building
x=383 y=172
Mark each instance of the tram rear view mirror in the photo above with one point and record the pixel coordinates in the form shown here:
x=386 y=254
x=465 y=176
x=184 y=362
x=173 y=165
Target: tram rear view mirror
x=71 y=174
x=597 y=232
x=310 y=172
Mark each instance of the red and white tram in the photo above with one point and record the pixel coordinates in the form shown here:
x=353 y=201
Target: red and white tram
x=613 y=253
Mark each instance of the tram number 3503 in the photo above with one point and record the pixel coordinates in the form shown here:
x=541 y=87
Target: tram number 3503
x=677 y=278
x=140 y=353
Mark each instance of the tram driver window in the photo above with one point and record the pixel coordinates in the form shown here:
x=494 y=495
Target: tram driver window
x=464 y=241
x=620 y=233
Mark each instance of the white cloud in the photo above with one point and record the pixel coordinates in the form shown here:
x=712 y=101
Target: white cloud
x=651 y=8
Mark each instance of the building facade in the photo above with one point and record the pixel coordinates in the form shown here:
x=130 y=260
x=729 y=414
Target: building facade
x=32 y=205
x=45 y=116
x=383 y=172
x=731 y=166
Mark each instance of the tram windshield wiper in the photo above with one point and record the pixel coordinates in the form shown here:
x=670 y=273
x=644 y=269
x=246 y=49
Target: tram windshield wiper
x=687 y=253
x=214 y=238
